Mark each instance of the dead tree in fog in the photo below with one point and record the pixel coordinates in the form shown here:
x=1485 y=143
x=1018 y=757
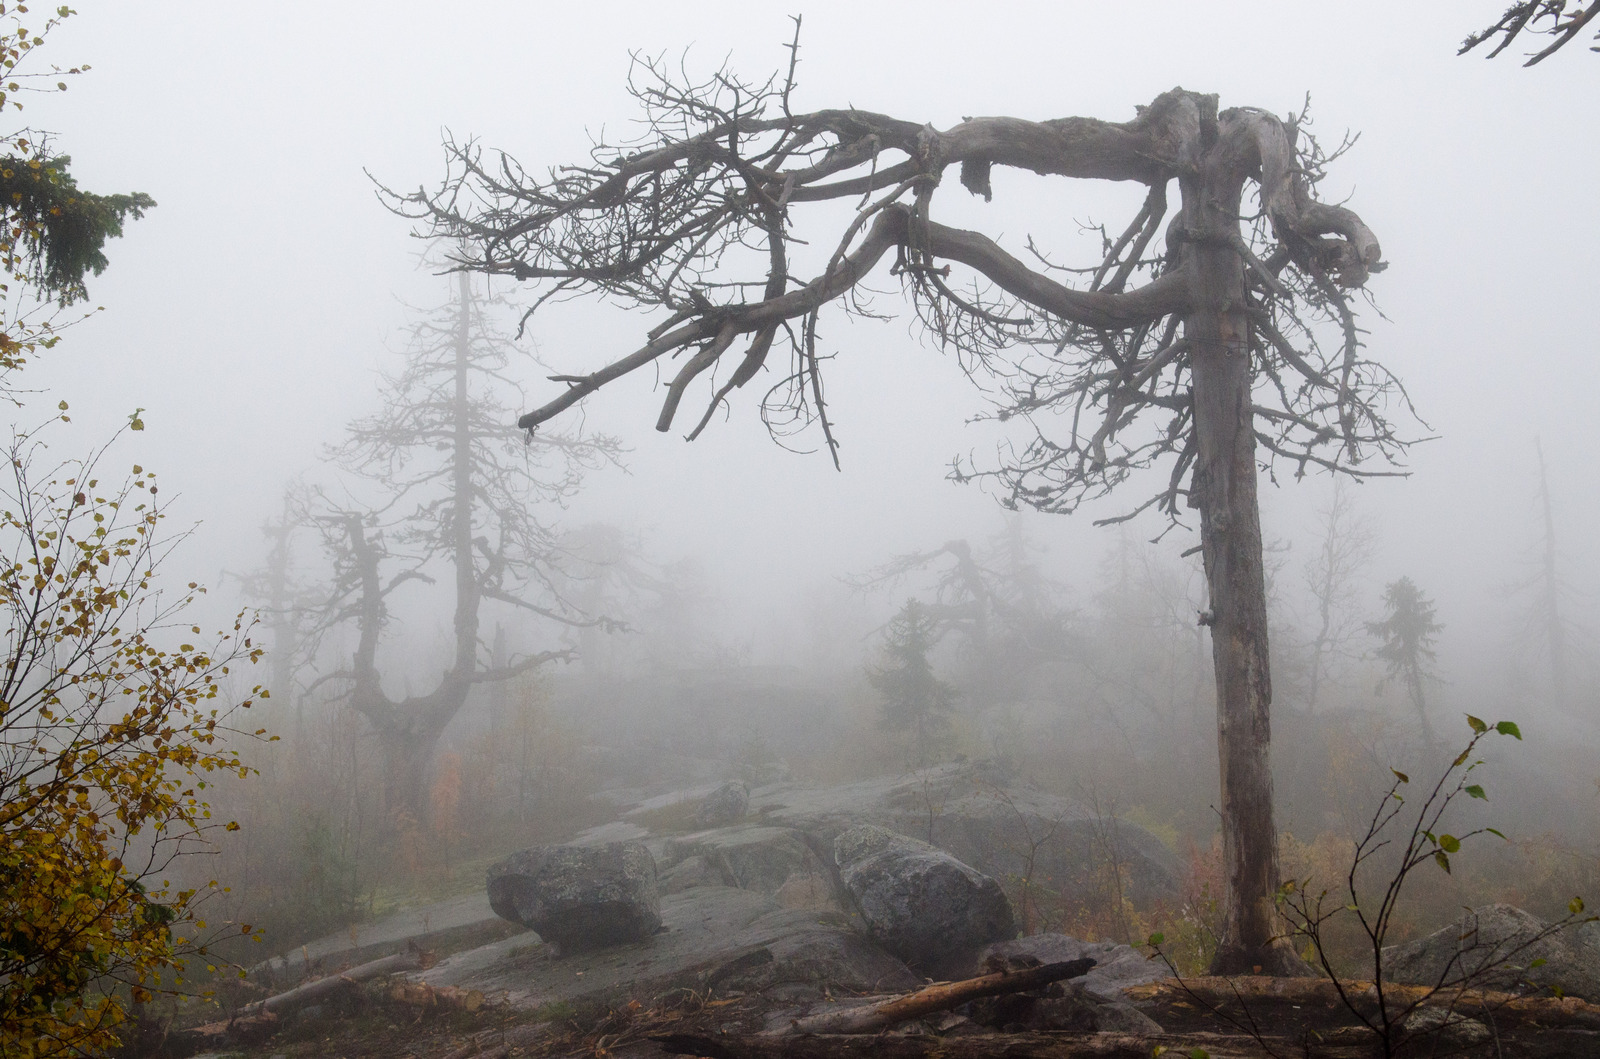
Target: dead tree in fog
x=1346 y=547
x=1547 y=618
x=1555 y=629
x=964 y=601
x=1563 y=20
x=288 y=606
x=1231 y=339
x=460 y=485
x=996 y=600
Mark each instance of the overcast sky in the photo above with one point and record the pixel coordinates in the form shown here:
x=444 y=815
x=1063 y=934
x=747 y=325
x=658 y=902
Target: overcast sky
x=249 y=313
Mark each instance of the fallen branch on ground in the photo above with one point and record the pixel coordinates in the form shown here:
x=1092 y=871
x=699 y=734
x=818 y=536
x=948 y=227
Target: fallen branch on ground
x=943 y=996
x=311 y=992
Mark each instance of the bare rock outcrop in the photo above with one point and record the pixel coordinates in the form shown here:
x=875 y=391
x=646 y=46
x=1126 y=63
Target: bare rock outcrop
x=1503 y=947
x=723 y=806
x=579 y=897
x=920 y=903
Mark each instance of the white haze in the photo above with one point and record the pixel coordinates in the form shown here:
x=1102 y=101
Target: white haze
x=250 y=312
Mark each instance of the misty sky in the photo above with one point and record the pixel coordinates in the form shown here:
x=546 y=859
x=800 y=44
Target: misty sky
x=249 y=313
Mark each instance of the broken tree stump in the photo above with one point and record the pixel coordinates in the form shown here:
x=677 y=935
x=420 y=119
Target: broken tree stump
x=423 y=995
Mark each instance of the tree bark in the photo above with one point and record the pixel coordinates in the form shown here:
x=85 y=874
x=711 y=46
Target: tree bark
x=311 y=992
x=1224 y=490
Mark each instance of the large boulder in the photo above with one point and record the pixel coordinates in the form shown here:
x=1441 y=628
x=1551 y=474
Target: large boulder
x=723 y=806
x=919 y=902
x=980 y=814
x=579 y=897
x=1497 y=947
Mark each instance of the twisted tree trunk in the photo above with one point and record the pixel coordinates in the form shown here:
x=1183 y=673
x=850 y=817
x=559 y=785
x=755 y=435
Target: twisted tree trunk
x=1224 y=490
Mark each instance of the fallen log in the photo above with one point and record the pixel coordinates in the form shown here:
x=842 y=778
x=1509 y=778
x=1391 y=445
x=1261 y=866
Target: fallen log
x=870 y=1018
x=323 y=988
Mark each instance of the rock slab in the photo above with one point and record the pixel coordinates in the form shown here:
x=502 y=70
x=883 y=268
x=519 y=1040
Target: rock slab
x=1497 y=947
x=717 y=937
x=579 y=897
x=725 y=805
x=920 y=903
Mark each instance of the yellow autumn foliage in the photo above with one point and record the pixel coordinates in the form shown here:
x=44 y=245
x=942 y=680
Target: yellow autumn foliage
x=111 y=721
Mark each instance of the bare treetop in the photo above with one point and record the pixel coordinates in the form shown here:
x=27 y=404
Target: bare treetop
x=1212 y=335
x=1561 y=20
x=697 y=216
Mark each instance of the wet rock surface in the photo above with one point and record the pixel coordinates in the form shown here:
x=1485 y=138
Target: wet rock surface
x=1064 y=1006
x=714 y=936
x=723 y=806
x=981 y=816
x=579 y=897
x=1497 y=947
x=1116 y=966
x=795 y=901
x=777 y=861
x=919 y=902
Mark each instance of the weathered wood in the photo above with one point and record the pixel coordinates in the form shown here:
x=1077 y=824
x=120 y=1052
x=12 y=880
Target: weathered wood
x=322 y=988
x=870 y=1018
x=421 y=994
x=1217 y=328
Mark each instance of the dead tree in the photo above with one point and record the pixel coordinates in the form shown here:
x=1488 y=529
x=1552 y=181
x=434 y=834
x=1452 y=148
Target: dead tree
x=459 y=486
x=1346 y=547
x=996 y=600
x=1214 y=332
x=1548 y=626
x=288 y=608
x=1563 y=20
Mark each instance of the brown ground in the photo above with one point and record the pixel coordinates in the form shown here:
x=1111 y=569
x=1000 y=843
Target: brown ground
x=1218 y=1018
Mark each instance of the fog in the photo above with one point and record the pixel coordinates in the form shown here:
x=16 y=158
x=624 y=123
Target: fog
x=252 y=313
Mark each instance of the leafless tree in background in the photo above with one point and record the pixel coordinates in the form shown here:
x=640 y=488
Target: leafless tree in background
x=1007 y=615
x=1346 y=547
x=1549 y=627
x=1563 y=20
x=460 y=484
x=1230 y=340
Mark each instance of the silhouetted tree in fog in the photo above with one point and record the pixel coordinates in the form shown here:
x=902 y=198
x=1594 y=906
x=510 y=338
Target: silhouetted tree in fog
x=998 y=603
x=915 y=701
x=1548 y=616
x=1346 y=547
x=460 y=486
x=1406 y=635
x=1229 y=340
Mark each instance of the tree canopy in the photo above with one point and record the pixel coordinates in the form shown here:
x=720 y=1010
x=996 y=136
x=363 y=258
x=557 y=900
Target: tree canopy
x=1212 y=333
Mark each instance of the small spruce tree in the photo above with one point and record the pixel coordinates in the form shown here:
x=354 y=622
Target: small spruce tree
x=915 y=701
x=1407 y=633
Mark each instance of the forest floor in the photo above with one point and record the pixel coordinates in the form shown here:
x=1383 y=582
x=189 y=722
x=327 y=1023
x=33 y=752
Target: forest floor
x=1202 y=1018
